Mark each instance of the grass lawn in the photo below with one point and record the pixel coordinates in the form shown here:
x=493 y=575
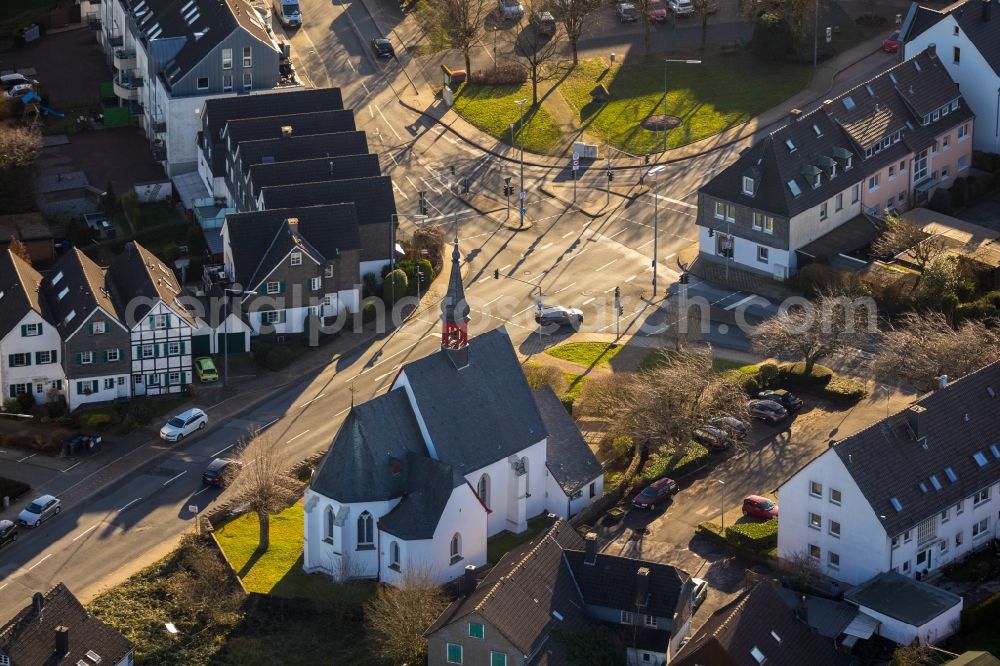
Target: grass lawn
x=492 y=109
x=279 y=570
x=504 y=542
x=588 y=354
x=660 y=357
x=576 y=383
x=724 y=91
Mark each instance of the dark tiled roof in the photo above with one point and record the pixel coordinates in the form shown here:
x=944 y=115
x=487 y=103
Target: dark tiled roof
x=429 y=484
x=611 y=582
x=256 y=237
x=886 y=462
x=19 y=284
x=301 y=124
x=138 y=273
x=220 y=110
x=87 y=290
x=903 y=598
x=481 y=413
x=29 y=638
x=310 y=171
x=299 y=148
x=373 y=196
x=366 y=458
x=918 y=19
x=729 y=635
x=570 y=461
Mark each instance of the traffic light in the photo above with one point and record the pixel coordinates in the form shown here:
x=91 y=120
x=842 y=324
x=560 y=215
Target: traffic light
x=452 y=167
x=645 y=159
x=611 y=176
x=618 y=294
x=508 y=190
x=496 y=273
x=685 y=278
x=423 y=202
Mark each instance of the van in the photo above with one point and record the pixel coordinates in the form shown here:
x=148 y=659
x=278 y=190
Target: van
x=288 y=13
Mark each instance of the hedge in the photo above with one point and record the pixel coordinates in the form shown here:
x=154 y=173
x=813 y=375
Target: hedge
x=12 y=488
x=793 y=374
x=984 y=613
x=659 y=466
x=96 y=420
x=844 y=389
x=755 y=536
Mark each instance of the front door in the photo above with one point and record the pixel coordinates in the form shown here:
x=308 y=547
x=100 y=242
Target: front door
x=724 y=245
x=123 y=387
x=924 y=559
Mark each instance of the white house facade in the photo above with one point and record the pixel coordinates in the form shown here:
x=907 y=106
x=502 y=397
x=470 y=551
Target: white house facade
x=907 y=610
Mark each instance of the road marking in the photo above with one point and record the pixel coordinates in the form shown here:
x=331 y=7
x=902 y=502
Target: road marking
x=72 y=466
x=26 y=457
x=4 y=585
x=270 y=423
x=608 y=291
x=298 y=435
x=383 y=376
x=85 y=532
x=676 y=202
x=174 y=478
x=223 y=450
x=564 y=288
x=483 y=279
x=39 y=561
x=492 y=301
x=202 y=490
x=503 y=268
x=568 y=234
x=631 y=278
x=343 y=411
x=618 y=233
x=129 y=504
x=669 y=257
x=740 y=302
x=308 y=402
x=545 y=247
x=644 y=244
x=432 y=188
x=530 y=307
x=589 y=301
x=598 y=270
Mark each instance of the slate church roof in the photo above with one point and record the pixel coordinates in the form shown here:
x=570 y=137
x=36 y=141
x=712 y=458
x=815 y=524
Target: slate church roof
x=564 y=445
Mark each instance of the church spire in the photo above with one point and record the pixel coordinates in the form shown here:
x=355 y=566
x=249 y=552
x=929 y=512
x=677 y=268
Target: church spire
x=455 y=313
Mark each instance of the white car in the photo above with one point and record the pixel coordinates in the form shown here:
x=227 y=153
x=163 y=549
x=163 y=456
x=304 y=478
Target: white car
x=680 y=7
x=698 y=592
x=18 y=91
x=40 y=510
x=8 y=81
x=512 y=10
x=184 y=424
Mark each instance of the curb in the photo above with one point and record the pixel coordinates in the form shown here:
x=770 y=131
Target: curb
x=503 y=223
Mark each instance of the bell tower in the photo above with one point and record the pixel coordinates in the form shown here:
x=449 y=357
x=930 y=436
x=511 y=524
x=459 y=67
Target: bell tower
x=455 y=314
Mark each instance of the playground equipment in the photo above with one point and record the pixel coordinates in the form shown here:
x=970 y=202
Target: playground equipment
x=34 y=108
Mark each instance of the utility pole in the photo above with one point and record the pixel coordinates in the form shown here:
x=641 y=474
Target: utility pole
x=507 y=191
x=816 y=36
x=520 y=105
x=618 y=313
x=611 y=176
x=655 y=173
x=723 y=506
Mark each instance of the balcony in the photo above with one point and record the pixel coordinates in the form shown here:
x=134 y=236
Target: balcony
x=158 y=123
x=127 y=87
x=116 y=40
x=124 y=59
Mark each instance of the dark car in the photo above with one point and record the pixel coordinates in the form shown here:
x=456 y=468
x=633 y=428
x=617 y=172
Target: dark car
x=759 y=507
x=220 y=472
x=655 y=493
x=383 y=48
x=716 y=439
x=767 y=411
x=787 y=400
x=544 y=22
x=79 y=443
x=559 y=316
x=730 y=424
x=8 y=532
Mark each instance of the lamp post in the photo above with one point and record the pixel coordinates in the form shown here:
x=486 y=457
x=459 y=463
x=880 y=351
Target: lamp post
x=495 y=30
x=665 y=63
x=655 y=172
x=225 y=328
x=393 y=221
x=520 y=106
x=723 y=506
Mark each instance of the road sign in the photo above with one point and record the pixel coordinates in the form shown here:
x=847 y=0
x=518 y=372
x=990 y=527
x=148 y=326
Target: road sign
x=523 y=195
x=524 y=211
x=576 y=160
x=193 y=508
x=538 y=304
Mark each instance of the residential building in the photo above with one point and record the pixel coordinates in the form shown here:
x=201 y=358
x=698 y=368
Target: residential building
x=170 y=56
x=313 y=170
x=30 y=349
x=907 y=610
x=909 y=493
x=294 y=263
x=965 y=34
x=539 y=597
x=885 y=144
x=419 y=477
x=33 y=230
x=758 y=628
x=56 y=630
x=96 y=344
x=160 y=326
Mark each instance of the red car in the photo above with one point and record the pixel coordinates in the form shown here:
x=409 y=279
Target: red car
x=655 y=493
x=759 y=507
x=891 y=45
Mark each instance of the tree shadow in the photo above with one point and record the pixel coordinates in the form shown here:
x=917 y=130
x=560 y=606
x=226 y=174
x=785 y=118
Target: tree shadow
x=245 y=569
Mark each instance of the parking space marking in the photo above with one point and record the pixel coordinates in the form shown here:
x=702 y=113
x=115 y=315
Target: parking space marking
x=223 y=450
x=71 y=466
x=85 y=532
x=309 y=402
x=26 y=457
x=570 y=233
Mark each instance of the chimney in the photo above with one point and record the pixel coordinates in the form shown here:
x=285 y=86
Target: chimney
x=292 y=221
x=943 y=381
x=642 y=587
x=803 y=609
x=794 y=115
x=915 y=420
x=62 y=641
x=987 y=9
x=590 y=548
x=932 y=50
x=286 y=131
x=469 y=580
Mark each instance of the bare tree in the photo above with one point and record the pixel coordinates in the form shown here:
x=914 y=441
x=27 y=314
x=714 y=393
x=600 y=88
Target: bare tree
x=704 y=8
x=685 y=320
x=18 y=146
x=665 y=404
x=924 y=346
x=643 y=8
x=915 y=654
x=574 y=15
x=813 y=330
x=801 y=566
x=539 y=374
x=538 y=48
x=261 y=482
x=398 y=617
x=463 y=21
x=903 y=236
x=18 y=248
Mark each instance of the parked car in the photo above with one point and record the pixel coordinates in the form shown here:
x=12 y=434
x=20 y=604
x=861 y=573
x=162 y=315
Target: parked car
x=626 y=12
x=759 y=507
x=716 y=439
x=657 y=10
x=730 y=424
x=655 y=493
x=544 y=22
x=205 y=369
x=184 y=424
x=8 y=532
x=288 y=12
x=383 y=48
x=559 y=316
x=81 y=443
x=767 y=411
x=891 y=43
x=698 y=593
x=787 y=400
x=221 y=471
x=39 y=511
x=680 y=7
x=511 y=10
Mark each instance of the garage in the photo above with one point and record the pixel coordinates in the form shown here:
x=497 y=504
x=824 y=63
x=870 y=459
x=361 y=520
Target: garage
x=201 y=345
x=236 y=343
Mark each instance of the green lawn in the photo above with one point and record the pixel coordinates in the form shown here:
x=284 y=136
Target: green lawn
x=279 y=570
x=576 y=383
x=724 y=91
x=492 y=109
x=588 y=354
x=504 y=542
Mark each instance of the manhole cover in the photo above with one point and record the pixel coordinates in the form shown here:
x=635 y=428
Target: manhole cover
x=660 y=123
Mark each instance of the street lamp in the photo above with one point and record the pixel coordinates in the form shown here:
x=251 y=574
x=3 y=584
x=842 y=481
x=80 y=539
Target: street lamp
x=496 y=29
x=723 y=506
x=655 y=172
x=520 y=106
x=225 y=328
x=393 y=221
x=665 y=63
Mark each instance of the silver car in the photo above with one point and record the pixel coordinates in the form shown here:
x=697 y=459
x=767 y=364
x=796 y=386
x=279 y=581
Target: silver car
x=559 y=316
x=39 y=511
x=183 y=424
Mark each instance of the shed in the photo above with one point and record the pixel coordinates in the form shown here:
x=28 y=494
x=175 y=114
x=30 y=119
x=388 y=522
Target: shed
x=906 y=609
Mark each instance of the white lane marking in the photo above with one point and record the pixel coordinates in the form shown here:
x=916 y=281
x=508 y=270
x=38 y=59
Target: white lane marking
x=568 y=234
x=223 y=450
x=740 y=302
x=412 y=184
x=298 y=435
x=399 y=138
x=26 y=457
x=270 y=423
x=589 y=301
x=343 y=411
x=618 y=233
x=383 y=376
x=598 y=270
x=39 y=561
x=545 y=247
x=201 y=491
x=503 y=268
x=492 y=301
x=309 y=402
x=431 y=187
x=174 y=478
x=4 y=585
x=483 y=279
x=669 y=257
x=530 y=307
x=401 y=351
x=564 y=288
x=85 y=532
x=649 y=242
x=676 y=202
x=608 y=291
x=72 y=466
x=396 y=187
x=129 y=504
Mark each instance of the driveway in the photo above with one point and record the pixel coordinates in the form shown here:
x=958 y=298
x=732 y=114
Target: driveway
x=69 y=66
x=985 y=213
x=773 y=454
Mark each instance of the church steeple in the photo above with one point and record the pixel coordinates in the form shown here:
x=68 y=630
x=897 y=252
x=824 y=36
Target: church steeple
x=455 y=313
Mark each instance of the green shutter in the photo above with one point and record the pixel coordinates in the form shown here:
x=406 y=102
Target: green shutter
x=182 y=346
x=38 y=358
x=79 y=388
x=24 y=330
x=79 y=358
x=10 y=360
x=137 y=352
x=13 y=392
x=281 y=287
x=186 y=377
x=54 y=355
x=90 y=328
x=282 y=313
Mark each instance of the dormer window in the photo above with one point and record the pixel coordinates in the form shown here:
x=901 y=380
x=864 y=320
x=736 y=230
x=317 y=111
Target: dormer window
x=848 y=103
x=817 y=179
x=748 y=185
x=833 y=170
x=849 y=163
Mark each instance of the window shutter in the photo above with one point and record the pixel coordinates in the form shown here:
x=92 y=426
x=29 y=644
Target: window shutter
x=79 y=388
x=105 y=355
x=24 y=330
x=93 y=386
x=38 y=358
x=281 y=287
x=10 y=360
x=186 y=377
x=54 y=355
x=79 y=358
x=137 y=352
x=13 y=392
x=281 y=315
x=90 y=328
x=183 y=347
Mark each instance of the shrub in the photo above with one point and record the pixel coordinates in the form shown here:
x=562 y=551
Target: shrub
x=368 y=312
x=754 y=536
x=511 y=74
x=766 y=373
x=982 y=614
x=278 y=357
x=959 y=193
x=965 y=290
x=171 y=252
x=140 y=413
x=12 y=406
x=772 y=37
x=96 y=420
x=980 y=309
x=940 y=201
x=12 y=488
x=370 y=284
x=845 y=389
x=539 y=375
x=668 y=463
x=622 y=445
x=793 y=374
x=394 y=287
x=567 y=402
